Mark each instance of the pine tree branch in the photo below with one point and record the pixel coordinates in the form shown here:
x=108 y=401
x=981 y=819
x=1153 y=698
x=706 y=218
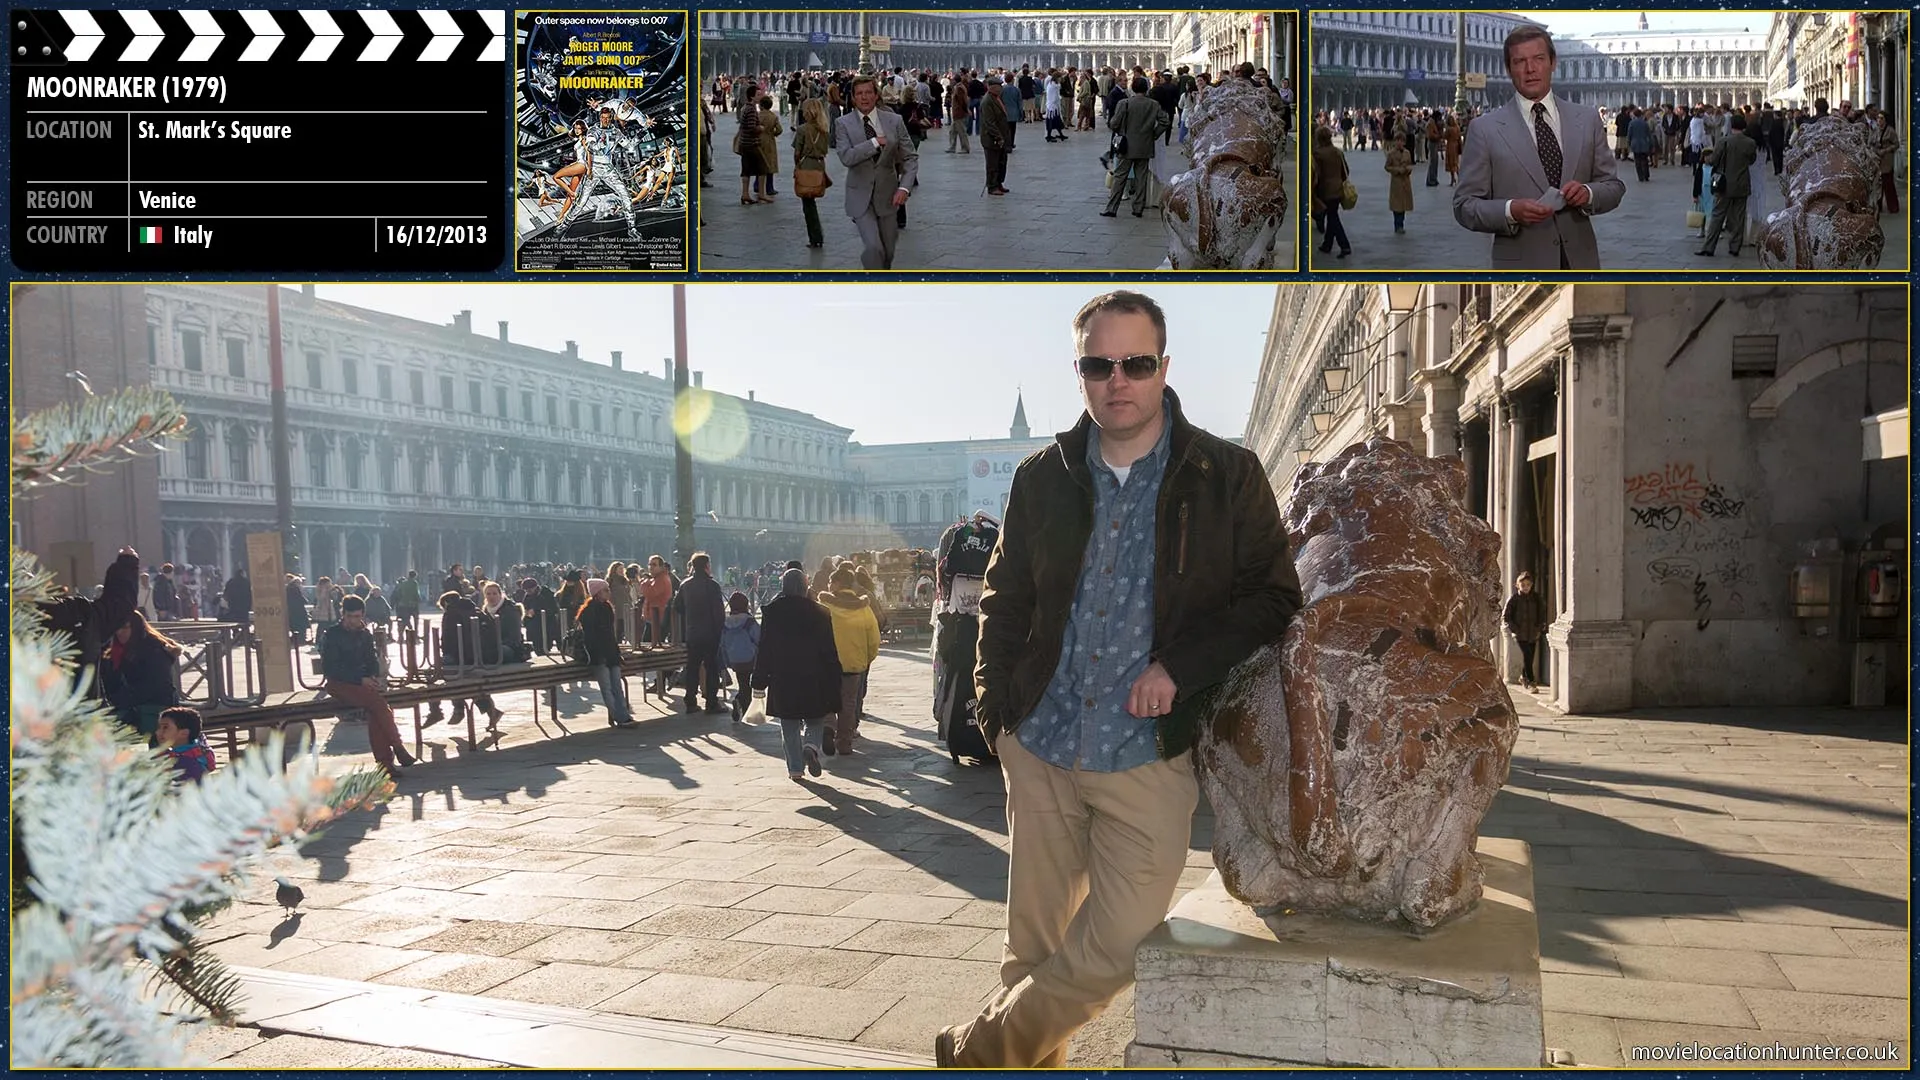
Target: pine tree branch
x=54 y=445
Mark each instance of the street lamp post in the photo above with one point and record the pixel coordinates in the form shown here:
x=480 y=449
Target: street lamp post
x=866 y=51
x=1460 y=64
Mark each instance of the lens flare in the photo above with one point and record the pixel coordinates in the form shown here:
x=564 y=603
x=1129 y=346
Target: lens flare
x=712 y=427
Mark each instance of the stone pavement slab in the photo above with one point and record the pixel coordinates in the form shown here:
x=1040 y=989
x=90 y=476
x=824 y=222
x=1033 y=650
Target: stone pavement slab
x=1050 y=221
x=308 y=1020
x=1733 y=869
x=1648 y=231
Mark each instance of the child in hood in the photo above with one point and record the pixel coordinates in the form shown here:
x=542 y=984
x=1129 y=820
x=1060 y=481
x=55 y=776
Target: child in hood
x=186 y=749
x=739 y=646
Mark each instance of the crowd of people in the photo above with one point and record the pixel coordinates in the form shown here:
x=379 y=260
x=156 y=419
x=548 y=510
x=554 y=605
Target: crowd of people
x=813 y=669
x=876 y=124
x=1727 y=149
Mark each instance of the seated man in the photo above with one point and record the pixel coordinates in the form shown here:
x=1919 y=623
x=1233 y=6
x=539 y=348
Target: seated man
x=179 y=738
x=354 y=674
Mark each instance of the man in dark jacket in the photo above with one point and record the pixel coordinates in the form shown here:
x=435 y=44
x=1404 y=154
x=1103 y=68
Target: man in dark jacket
x=540 y=614
x=799 y=668
x=703 y=614
x=1140 y=560
x=89 y=622
x=1166 y=94
x=996 y=136
x=406 y=602
x=239 y=597
x=354 y=675
x=166 y=598
x=1526 y=619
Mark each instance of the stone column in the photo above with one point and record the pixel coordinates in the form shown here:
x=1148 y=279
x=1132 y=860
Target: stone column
x=217 y=453
x=178 y=556
x=306 y=556
x=1592 y=644
x=340 y=557
x=1441 y=420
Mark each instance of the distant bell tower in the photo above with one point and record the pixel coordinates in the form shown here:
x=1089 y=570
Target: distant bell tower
x=1020 y=430
x=1643 y=20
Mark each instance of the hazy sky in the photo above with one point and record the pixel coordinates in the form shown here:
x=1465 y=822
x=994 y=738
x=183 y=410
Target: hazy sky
x=896 y=363
x=1596 y=22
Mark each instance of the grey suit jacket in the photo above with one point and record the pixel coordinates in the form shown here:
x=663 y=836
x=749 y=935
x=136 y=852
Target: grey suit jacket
x=1734 y=156
x=873 y=175
x=1142 y=121
x=1501 y=162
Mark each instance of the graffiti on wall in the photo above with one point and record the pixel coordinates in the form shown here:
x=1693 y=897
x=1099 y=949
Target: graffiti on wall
x=1697 y=534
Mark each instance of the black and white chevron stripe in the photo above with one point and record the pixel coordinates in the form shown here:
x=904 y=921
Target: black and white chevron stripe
x=98 y=36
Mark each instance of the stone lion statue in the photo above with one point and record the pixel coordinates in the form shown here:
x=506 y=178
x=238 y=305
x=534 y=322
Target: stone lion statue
x=1350 y=765
x=1225 y=213
x=1829 y=222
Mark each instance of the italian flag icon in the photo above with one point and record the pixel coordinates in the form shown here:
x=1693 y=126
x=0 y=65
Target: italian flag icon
x=151 y=234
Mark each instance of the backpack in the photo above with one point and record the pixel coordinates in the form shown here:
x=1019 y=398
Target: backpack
x=740 y=644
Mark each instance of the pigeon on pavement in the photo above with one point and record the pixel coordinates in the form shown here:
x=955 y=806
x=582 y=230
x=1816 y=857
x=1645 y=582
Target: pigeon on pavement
x=288 y=895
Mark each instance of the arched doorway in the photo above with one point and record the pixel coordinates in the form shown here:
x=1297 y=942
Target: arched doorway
x=202 y=548
x=359 y=553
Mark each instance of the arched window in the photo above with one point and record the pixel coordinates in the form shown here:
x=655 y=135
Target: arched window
x=239 y=453
x=352 y=461
x=900 y=509
x=946 y=507
x=316 y=460
x=197 y=454
x=879 y=508
x=926 y=508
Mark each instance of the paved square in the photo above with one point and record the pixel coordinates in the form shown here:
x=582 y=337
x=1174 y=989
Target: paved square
x=1050 y=221
x=1648 y=231
x=1701 y=875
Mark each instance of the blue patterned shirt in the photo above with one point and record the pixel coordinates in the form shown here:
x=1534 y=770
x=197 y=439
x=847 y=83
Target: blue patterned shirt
x=1082 y=720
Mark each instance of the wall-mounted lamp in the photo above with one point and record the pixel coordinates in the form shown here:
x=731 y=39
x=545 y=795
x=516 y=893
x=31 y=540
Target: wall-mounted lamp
x=1402 y=296
x=1335 y=378
x=1322 y=421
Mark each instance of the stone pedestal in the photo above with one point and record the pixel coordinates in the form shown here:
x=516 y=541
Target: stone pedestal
x=1217 y=986
x=1592 y=664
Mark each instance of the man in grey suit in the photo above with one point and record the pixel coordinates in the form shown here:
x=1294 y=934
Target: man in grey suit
x=882 y=166
x=1142 y=121
x=1733 y=158
x=1535 y=171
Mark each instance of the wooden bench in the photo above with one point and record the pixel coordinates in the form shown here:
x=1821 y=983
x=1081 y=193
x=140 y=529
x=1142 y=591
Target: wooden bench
x=300 y=708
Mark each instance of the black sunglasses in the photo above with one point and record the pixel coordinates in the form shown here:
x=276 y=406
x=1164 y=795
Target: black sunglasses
x=1100 y=368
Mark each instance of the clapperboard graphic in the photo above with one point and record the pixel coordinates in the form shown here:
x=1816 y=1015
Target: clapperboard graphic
x=210 y=140
x=56 y=38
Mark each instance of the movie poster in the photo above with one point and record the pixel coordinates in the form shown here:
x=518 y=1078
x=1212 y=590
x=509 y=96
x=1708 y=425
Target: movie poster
x=601 y=122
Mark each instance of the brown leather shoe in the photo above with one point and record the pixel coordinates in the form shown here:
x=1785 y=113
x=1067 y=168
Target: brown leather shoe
x=943 y=1050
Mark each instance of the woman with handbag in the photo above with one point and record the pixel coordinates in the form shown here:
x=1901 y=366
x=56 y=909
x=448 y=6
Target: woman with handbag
x=811 y=141
x=746 y=143
x=1330 y=188
x=770 y=131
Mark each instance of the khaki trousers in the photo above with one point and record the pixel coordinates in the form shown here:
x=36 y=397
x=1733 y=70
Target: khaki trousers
x=1096 y=860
